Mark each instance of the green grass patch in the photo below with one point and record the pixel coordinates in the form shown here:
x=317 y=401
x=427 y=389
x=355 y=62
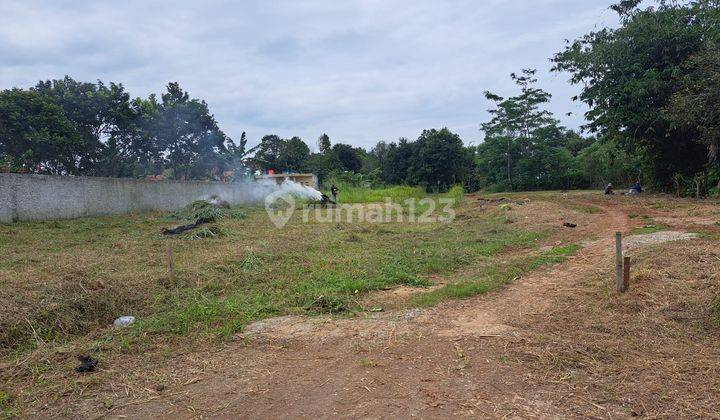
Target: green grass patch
x=650 y=228
x=369 y=363
x=8 y=409
x=397 y=194
x=495 y=277
x=705 y=234
x=328 y=276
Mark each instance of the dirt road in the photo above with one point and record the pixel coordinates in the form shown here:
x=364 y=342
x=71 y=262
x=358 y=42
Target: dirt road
x=454 y=359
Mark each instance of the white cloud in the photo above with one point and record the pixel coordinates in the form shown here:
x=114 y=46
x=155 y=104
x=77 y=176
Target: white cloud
x=360 y=70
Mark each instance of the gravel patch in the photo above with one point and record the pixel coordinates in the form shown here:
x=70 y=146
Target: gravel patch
x=636 y=241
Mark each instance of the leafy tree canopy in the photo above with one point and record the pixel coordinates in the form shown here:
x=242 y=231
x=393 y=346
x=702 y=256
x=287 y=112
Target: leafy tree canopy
x=635 y=79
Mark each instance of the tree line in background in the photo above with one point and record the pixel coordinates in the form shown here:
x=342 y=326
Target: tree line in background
x=77 y=128
x=652 y=86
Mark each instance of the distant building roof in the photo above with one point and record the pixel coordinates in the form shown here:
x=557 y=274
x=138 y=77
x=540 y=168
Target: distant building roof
x=308 y=179
x=283 y=175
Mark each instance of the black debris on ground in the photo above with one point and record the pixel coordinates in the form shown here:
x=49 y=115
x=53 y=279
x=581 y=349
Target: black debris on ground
x=87 y=364
x=184 y=228
x=201 y=212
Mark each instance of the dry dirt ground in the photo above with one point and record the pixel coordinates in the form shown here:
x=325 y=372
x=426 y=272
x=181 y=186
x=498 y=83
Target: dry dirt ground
x=557 y=343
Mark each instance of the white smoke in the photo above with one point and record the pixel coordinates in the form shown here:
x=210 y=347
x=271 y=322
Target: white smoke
x=300 y=191
x=255 y=192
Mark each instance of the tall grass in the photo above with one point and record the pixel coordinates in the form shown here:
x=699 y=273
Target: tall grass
x=397 y=194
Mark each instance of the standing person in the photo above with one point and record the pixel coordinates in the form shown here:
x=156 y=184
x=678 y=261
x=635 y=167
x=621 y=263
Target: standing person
x=334 y=192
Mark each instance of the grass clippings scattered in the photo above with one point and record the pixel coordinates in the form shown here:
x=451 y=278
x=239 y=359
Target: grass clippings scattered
x=651 y=352
x=205 y=232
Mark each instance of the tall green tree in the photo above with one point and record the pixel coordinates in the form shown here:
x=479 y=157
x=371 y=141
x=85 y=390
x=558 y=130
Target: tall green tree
x=324 y=145
x=97 y=111
x=36 y=135
x=280 y=154
x=137 y=142
x=295 y=155
x=696 y=104
x=350 y=158
x=399 y=158
x=516 y=119
x=189 y=134
x=440 y=160
x=98 y=130
x=631 y=74
x=322 y=165
x=373 y=161
x=269 y=151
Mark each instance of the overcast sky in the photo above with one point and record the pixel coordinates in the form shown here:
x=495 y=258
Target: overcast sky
x=360 y=70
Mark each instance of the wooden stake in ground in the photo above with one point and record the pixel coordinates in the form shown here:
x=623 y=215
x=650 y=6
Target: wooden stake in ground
x=170 y=262
x=626 y=274
x=618 y=262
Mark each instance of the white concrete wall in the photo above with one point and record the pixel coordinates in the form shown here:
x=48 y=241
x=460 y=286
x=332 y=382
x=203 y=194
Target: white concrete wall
x=45 y=197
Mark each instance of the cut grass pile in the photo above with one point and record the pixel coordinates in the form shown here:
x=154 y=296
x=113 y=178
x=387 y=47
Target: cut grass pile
x=201 y=209
x=199 y=213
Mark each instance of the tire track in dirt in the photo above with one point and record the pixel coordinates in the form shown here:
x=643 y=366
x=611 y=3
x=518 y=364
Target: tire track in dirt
x=429 y=363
